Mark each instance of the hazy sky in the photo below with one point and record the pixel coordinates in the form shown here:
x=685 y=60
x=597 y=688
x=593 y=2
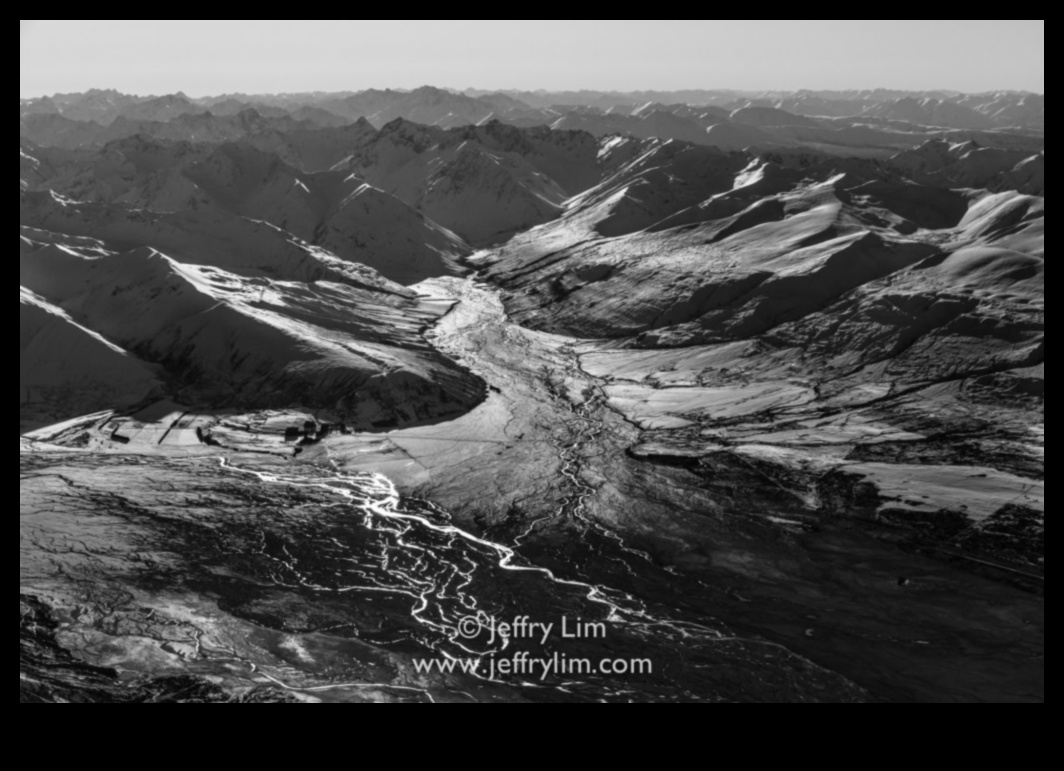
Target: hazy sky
x=206 y=57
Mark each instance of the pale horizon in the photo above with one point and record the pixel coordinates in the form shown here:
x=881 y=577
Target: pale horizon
x=209 y=57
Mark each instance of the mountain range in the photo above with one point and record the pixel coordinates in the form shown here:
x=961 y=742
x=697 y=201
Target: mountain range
x=282 y=198
x=873 y=124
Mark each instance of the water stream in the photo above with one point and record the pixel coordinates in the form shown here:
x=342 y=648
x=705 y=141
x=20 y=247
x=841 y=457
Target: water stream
x=456 y=588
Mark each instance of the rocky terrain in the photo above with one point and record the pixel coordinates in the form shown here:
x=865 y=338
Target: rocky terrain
x=308 y=382
x=242 y=314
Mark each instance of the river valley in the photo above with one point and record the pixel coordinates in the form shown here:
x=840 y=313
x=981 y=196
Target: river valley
x=381 y=567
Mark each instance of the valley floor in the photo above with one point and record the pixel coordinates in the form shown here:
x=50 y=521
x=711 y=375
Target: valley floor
x=567 y=493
